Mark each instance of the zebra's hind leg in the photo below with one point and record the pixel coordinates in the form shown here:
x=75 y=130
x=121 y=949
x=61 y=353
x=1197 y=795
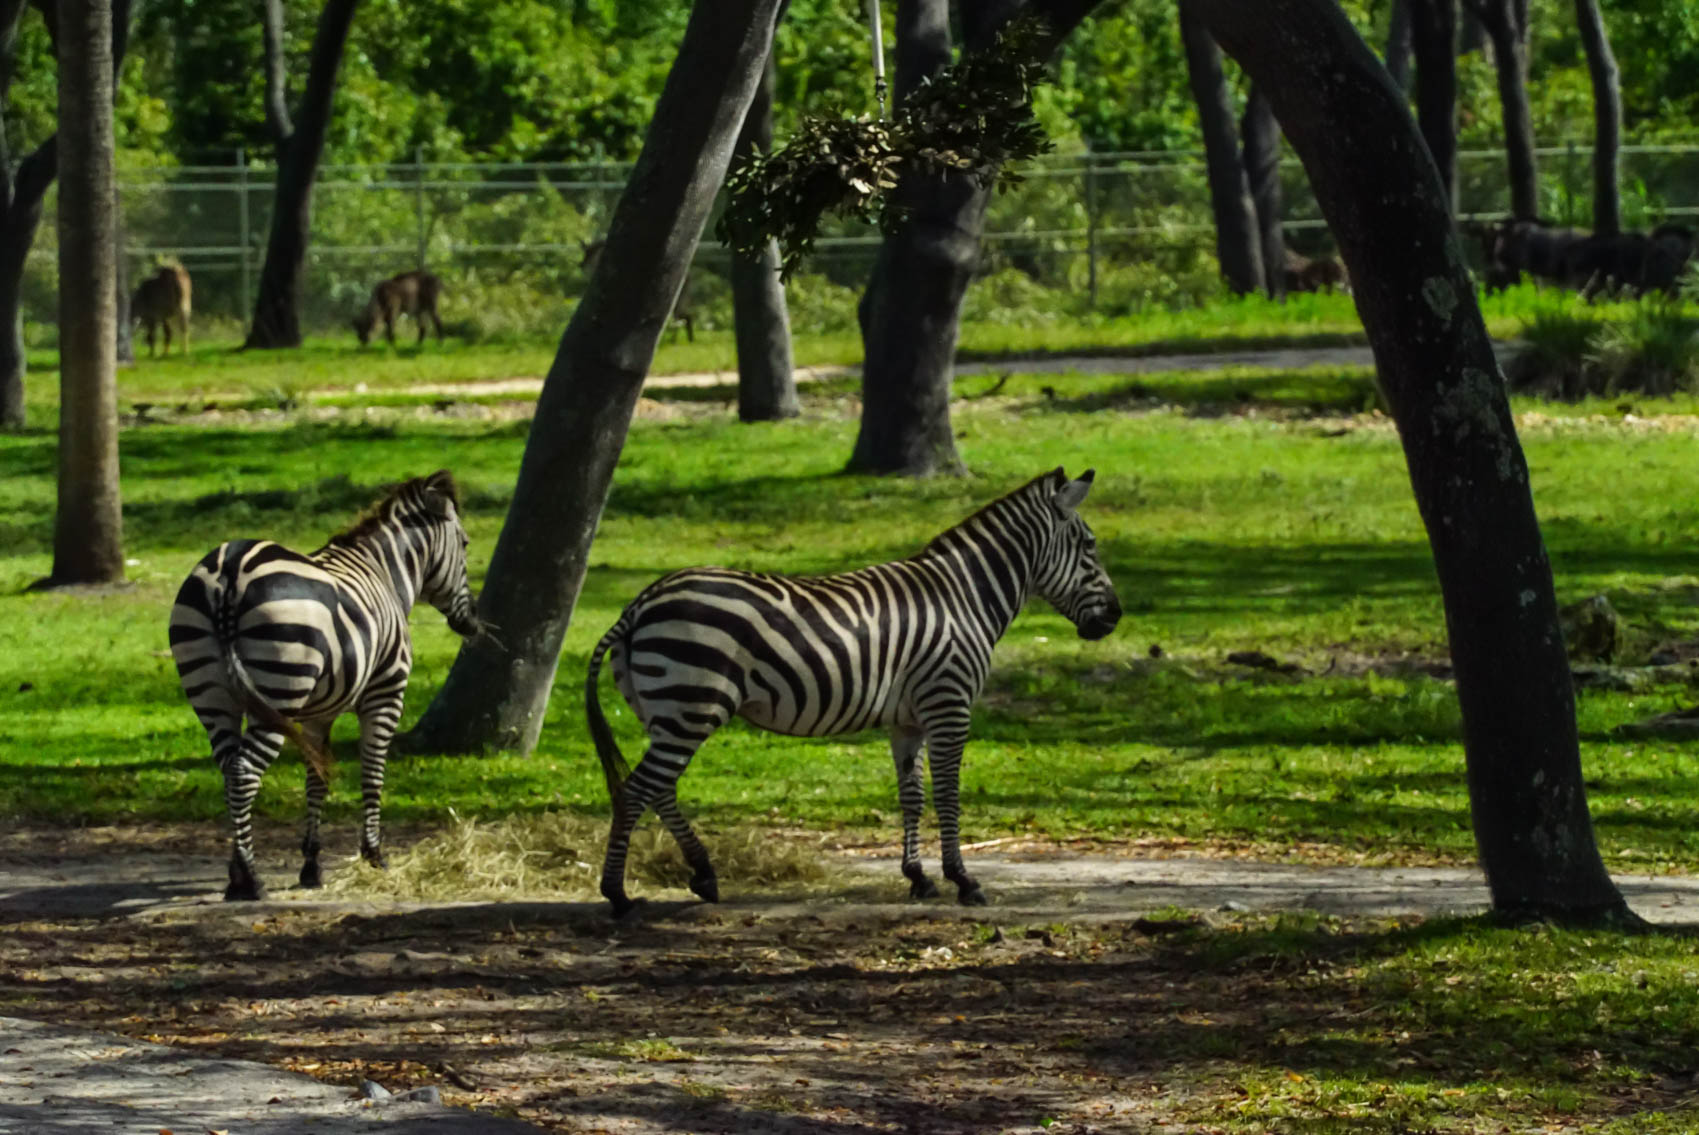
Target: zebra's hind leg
x=911 y=793
x=944 y=741
x=653 y=781
x=703 y=884
x=379 y=711
x=242 y=767
x=311 y=875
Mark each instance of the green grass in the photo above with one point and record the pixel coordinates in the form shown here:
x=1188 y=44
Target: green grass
x=1237 y=511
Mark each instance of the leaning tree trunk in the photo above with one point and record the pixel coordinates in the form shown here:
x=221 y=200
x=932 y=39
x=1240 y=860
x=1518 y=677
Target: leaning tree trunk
x=1607 y=116
x=1433 y=39
x=1384 y=201
x=910 y=313
x=1237 y=243
x=1510 y=65
x=1261 y=154
x=766 y=380
x=277 y=308
x=495 y=696
x=88 y=527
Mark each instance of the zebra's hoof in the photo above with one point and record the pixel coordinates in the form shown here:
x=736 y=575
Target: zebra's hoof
x=922 y=888
x=249 y=890
x=624 y=908
x=706 y=888
x=973 y=896
x=374 y=856
x=311 y=877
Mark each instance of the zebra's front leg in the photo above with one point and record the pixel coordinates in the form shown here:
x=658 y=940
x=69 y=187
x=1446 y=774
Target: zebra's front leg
x=653 y=781
x=911 y=793
x=312 y=876
x=703 y=884
x=379 y=712
x=945 y=739
x=243 y=765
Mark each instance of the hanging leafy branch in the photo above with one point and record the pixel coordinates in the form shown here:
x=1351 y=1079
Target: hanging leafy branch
x=973 y=117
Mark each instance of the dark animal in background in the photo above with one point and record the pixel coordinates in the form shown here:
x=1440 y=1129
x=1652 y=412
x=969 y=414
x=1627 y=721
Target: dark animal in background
x=1318 y=274
x=411 y=293
x=161 y=300
x=683 y=306
x=1669 y=250
x=1630 y=262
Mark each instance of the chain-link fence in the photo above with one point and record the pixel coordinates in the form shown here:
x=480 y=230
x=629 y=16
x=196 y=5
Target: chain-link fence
x=1110 y=232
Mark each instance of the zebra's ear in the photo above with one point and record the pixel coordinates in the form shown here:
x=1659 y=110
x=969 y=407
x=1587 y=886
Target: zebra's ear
x=1069 y=496
x=440 y=492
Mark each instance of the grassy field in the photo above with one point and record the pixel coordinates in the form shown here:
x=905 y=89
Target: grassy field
x=1238 y=510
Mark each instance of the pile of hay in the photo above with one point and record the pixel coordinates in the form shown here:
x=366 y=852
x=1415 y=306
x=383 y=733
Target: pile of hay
x=558 y=856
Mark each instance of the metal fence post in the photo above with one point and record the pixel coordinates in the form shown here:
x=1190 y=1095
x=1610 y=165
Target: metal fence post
x=1091 y=230
x=419 y=200
x=242 y=225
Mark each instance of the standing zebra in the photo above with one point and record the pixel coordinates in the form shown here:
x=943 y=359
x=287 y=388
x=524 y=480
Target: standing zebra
x=903 y=645
x=293 y=641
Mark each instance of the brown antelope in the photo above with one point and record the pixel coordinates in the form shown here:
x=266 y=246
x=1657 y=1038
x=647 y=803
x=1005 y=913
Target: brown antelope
x=160 y=300
x=410 y=293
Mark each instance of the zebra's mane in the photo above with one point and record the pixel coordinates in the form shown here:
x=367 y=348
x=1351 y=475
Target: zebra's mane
x=380 y=513
x=1053 y=480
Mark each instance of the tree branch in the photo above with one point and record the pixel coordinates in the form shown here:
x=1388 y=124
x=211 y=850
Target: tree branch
x=276 y=96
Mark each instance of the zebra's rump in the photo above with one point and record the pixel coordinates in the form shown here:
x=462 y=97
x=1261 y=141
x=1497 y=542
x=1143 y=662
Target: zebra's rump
x=285 y=619
x=808 y=656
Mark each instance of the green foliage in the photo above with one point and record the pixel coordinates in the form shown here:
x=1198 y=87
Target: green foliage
x=974 y=117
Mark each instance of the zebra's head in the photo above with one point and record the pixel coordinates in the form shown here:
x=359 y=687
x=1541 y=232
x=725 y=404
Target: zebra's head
x=443 y=582
x=1068 y=573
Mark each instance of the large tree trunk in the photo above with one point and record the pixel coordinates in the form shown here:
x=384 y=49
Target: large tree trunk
x=1237 y=244
x=766 y=380
x=1433 y=39
x=1510 y=65
x=1607 y=116
x=277 y=315
x=911 y=311
x=1261 y=155
x=21 y=196
x=495 y=695
x=88 y=528
x=1385 y=203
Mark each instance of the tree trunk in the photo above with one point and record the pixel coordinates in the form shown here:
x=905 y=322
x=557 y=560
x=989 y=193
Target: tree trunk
x=495 y=696
x=124 y=347
x=910 y=313
x=277 y=315
x=88 y=527
x=766 y=380
x=1261 y=154
x=21 y=197
x=1433 y=38
x=1607 y=116
x=1398 y=44
x=1385 y=203
x=1237 y=244
x=1510 y=65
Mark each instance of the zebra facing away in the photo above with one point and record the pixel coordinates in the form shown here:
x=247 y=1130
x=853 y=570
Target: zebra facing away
x=903 y=645
x=291 y=642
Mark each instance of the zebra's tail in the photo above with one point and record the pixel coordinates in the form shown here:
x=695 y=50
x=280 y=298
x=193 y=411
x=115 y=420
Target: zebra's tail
x=257 y=708
x=613 y=761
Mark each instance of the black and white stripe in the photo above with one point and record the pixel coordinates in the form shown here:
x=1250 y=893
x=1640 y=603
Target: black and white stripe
x=904 y=646
x=291 y=642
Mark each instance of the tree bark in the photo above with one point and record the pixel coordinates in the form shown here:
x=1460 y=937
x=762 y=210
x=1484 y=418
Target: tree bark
x=1397 y=55
x=1383 y=199
x=910 y=313
x=1237 y=244
x=88 y=526
x=766 y=378
x=1607 y=117
x=277 y=317
x=1510 y=65
x=1261 y=155
x=495 y=696
x=1433 y=39
x=21 y=195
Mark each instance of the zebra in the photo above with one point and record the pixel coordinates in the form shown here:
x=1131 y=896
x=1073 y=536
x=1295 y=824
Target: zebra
x=292 y=642
x=903 y=645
